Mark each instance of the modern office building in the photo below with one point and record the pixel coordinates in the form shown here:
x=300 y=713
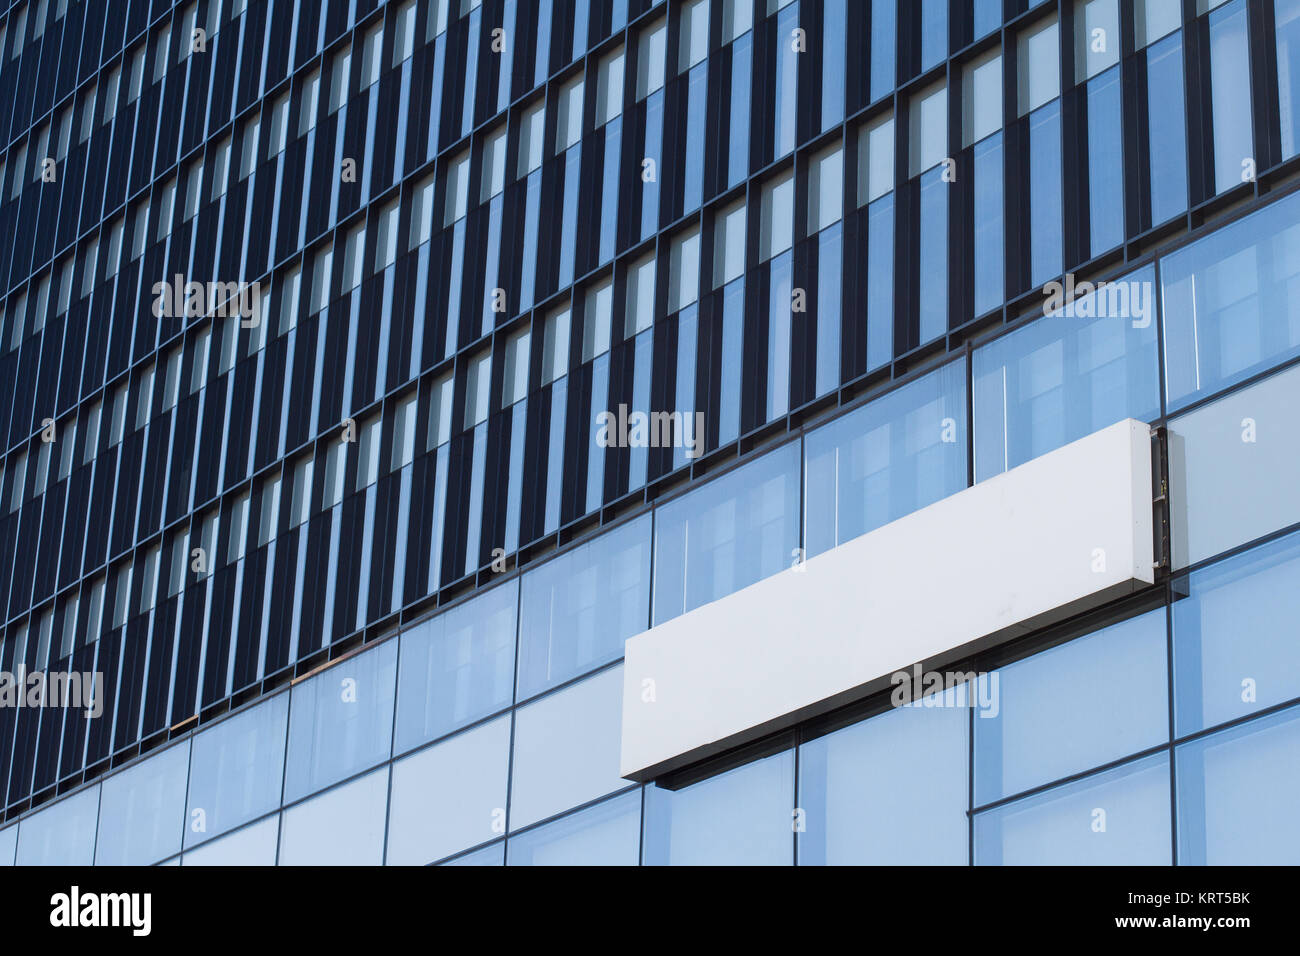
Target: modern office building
x=539 y=431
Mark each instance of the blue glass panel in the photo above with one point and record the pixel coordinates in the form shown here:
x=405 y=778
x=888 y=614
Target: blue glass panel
x=555 y=453
x=506 y=72
x=609 y=197
x=494 y=855
x=1287 y=14
x=491 y=276
x=514 y=488
x=884 y=26
x=569 y=223
x=255 y=845
x=733 y=340
x=1167 y=128
x=901 y=452
x=880 y=282
x=1235 y=649
x=1120 y=818
x=435 y=102
x=62 y=834
x=340 y=721
x=1067 y=375
x=1230 y=95
x=237 y=770
x=8 y=845
x=528 y=263
x=579 y=608
x=778 y=336
x=1236 y=795
x=834 y=16
x=934 y=255
x=654 y=146
x=934 y=32
x=441 y=468
x=786 y=103
x=738 y=141
x=608 y=834
x=987 y=15
x=581 y=14
x=1105 y=161
x=1120 y=671
x=891 y=790
x=1234 y=466
x=566 y=748
x=687 y=341
x=830 y=279
x=727 y=534
x=454 y=288
x=1231 y=302
x=697 y=95
x=475 y=513
x=341 y=827
x=744 y=817
x=643 y=356
x=471 y=70
x=543 y=61
x=457 y=667
x=595 y=451
x=1045 y=233
x=363 y=571
x=990 y=263
x=142 y=810
x=451 y=796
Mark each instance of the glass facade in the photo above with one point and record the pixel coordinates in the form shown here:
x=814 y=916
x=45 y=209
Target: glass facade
x=482 y=779
x=308 y=327
x=1063 y=756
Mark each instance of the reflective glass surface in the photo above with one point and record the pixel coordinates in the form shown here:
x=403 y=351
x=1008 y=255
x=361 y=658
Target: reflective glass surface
x=432 y=819
x=341 y=827
x=727 y=534
x=566 y=748
x=62 y=834
x=1233 y=468
x=577 y=610
x=1235 y=651
x=1066 y=375
x=142 y=809
x=744 y=817
x=236 y=770
x=341 y=721
x=891 y=789
x=1106 y=694
x=1236 y=794
x=1231 y=304
x=891 y=457
x=254 y=845
x=457 y=667
x=608 y=834
x=1116 y=818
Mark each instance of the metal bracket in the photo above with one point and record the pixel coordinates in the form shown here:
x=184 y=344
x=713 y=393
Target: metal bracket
x=1160 y=503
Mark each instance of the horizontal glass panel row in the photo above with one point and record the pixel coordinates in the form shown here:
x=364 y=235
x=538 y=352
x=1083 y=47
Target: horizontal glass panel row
x=1091 y=361
x=1232 y=462
x=892 y=788
x=888 y=790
